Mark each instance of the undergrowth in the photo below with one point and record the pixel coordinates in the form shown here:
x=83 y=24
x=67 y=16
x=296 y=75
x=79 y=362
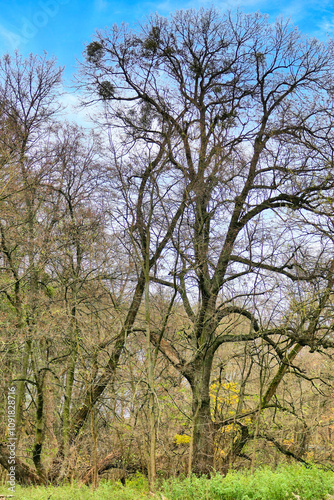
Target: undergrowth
x=285 y=483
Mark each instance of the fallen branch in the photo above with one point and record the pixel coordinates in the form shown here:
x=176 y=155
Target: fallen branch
x=23 y=473
x=283 y=449
x=114 y=461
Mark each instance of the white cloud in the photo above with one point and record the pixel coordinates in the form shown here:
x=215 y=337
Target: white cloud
x=326 y=26
x=101 y=5
x=73 y=112
x=10 y=39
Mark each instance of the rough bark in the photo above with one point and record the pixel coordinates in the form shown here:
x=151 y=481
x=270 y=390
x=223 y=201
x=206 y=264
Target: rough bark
x=201 y=456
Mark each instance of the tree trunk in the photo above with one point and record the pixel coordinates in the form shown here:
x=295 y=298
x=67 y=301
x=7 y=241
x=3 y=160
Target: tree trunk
x=150 y=365
x=68 y=395
x=39 y=427
x=201 y=457
x=20 y=391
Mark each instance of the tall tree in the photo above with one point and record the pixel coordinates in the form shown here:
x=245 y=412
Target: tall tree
x=28 y=95
x=242 y=110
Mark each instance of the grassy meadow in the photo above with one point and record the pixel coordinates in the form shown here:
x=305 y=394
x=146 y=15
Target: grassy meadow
x=285 y=483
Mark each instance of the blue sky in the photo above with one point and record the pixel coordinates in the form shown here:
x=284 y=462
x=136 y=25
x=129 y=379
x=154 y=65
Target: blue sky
x=62 y=27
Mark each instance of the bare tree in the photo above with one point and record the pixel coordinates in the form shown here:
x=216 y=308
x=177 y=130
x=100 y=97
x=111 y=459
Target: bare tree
x=242 y=112
x=28 y=89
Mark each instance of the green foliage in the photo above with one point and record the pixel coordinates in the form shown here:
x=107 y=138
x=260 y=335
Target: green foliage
x=286 y=483
x=135 y=489
x=182 y=439
x=94 y=52
x=50 y=291
x=106 y=90
x=151 y=43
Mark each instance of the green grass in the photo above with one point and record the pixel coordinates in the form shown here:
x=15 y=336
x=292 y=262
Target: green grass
x=135 y=489
x=285 y=483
